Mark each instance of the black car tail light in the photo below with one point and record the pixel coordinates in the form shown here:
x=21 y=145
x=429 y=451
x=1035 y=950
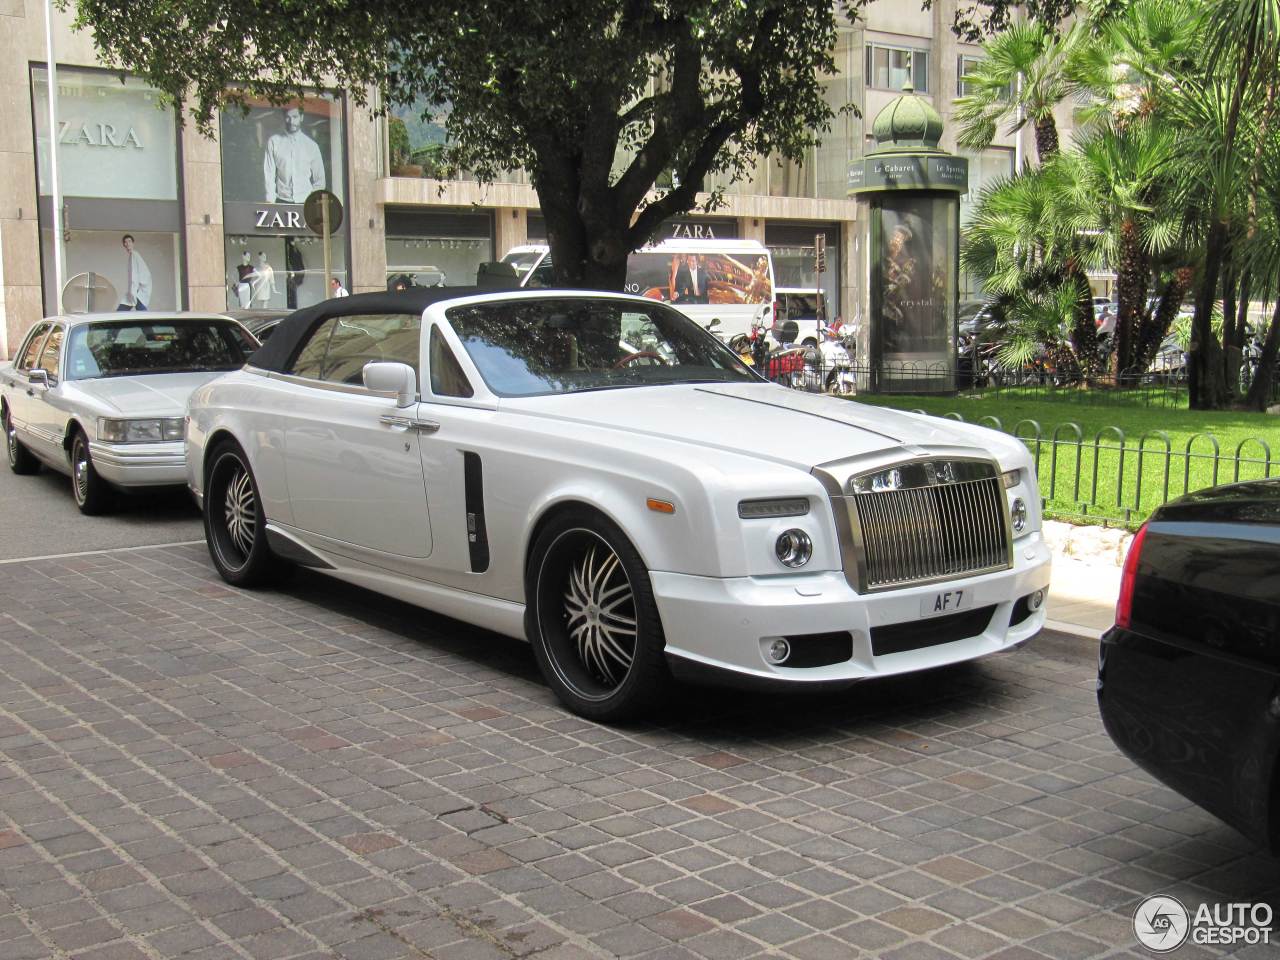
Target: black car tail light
x=1129 y=579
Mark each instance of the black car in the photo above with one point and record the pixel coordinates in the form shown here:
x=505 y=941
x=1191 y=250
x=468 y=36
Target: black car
x=1189 y=676
x=261 y=323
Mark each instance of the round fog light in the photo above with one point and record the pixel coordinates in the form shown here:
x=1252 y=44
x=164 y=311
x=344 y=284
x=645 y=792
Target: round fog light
x=794 y=548
x=1035 y=601
x=1018 y=513
x=779 y=650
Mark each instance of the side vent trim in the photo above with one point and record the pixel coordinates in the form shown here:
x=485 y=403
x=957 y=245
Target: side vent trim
x=477 y=534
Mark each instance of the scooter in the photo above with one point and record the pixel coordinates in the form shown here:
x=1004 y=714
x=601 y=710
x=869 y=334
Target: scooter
x=834 y=352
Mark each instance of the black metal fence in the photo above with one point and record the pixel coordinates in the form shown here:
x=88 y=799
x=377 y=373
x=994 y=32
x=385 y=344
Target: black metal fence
x=1114 y=477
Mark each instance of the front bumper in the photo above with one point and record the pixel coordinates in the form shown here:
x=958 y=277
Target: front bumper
x=140 y=464
x=723 y=626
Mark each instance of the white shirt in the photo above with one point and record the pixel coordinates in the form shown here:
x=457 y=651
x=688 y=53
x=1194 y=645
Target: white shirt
x=264 y=282
x=292 y=168
x=138 y=278
x=341 y=291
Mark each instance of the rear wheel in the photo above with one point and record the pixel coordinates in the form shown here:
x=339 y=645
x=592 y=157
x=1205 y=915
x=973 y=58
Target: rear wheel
x=234 y=525
x=21 y=460
x=93 y=495
x=593 y=621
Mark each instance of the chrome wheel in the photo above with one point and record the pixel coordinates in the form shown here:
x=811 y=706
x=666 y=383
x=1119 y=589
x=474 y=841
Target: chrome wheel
x=241 y=513
x=11 y=442
x=235 y=524
x=599 y=609
x=592 y=619
x=80 y=471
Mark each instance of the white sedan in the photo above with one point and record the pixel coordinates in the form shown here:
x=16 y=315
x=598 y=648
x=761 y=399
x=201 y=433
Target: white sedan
x=599 y=475
x=102 y=397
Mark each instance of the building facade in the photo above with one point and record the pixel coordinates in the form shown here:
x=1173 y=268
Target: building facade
x=217 y=221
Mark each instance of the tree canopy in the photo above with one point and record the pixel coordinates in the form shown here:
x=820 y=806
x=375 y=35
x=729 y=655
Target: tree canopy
x=596 y=99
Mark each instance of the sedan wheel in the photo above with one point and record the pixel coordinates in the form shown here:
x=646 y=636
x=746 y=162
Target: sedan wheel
x=593 y=622
x=92 y=494
x=234 y=526
x=21 y=460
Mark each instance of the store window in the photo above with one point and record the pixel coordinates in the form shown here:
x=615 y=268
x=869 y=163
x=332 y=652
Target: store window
x=892 y=68
x=794 y=250
x=273 y=158
x=118 y=171
x=437 y=248
x=964 y=66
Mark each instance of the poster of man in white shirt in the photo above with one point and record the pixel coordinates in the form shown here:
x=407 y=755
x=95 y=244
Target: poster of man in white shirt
x=137 y=283
x=292 y=166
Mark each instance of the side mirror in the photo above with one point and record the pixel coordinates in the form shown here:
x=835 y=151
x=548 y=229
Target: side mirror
x=38 y=375
x=396 y=378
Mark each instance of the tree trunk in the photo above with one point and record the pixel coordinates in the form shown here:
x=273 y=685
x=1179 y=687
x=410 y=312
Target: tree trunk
x=1156 y=327
x=600 y=264
x=1046 y=138
x=1084 y=332
x=1131 y=288
x=1205 y=384
x=1260 y=389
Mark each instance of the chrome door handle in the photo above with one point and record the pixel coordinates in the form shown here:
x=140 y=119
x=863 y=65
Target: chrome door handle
x=410 y=423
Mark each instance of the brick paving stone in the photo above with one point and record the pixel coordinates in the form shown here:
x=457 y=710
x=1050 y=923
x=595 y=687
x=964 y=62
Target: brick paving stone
x=192 y=771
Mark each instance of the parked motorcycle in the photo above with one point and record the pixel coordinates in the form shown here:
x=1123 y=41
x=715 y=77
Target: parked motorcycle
x=834 y=360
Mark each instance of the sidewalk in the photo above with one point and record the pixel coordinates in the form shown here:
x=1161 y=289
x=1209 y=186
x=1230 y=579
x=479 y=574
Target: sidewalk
x=1086 y=577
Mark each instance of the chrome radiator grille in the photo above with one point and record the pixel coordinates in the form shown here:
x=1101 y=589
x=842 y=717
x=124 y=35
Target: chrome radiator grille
x=933 y=530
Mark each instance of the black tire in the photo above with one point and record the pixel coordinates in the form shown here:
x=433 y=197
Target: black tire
x=605 y=662
x=21 y=460
x=235 y=527
x=92 y=494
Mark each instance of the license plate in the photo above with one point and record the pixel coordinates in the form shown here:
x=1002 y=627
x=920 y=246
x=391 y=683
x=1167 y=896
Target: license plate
x=944 y=602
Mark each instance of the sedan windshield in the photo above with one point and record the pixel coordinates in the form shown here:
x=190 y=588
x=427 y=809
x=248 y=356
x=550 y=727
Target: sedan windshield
x=128 y=348
x=531 y=347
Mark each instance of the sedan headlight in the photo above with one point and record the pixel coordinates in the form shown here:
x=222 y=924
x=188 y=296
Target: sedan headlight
x=140 y=431
x=1011 y=478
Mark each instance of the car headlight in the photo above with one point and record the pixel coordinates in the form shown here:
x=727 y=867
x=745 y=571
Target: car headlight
x=155 y=430
x=1011 y=478
x=794 y=548
x=1018 y=515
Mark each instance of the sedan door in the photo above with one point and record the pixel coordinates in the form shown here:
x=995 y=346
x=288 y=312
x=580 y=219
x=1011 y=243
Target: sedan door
x=46 y=416
x=19 y=392
x=352 y=458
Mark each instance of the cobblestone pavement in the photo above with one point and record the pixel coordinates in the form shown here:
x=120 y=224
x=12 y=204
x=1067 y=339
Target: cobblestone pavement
x=191 y=771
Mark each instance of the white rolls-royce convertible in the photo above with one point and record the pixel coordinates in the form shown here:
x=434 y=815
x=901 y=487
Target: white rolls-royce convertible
x=601 y=476
x=101 y=397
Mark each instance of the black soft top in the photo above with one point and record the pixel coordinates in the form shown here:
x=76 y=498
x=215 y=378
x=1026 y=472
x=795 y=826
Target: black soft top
x=278 y=352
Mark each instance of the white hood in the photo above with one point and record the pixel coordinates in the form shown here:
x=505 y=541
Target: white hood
x=149 y=395
x=772 y=422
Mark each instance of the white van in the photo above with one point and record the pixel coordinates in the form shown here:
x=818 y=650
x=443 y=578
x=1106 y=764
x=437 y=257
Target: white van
x=799 y=304
x=733 y=282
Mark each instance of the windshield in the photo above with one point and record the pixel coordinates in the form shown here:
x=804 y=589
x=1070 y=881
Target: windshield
x=129 y=347
x=523 y=262
x=528 y=348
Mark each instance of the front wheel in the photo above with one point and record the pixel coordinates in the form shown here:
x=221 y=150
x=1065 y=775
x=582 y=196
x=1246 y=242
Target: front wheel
x=21 y=460
x=92 y=494
x=234 y=525
x=592 y=619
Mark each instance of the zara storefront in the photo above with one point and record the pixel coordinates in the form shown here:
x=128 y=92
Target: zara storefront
x=119 y=167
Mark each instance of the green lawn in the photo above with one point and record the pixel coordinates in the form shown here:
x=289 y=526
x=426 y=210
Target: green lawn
x=1111 y=431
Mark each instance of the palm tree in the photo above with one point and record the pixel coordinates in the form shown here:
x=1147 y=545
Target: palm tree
x=1021 y=79
x=1024 y=242
x=1241 y=76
